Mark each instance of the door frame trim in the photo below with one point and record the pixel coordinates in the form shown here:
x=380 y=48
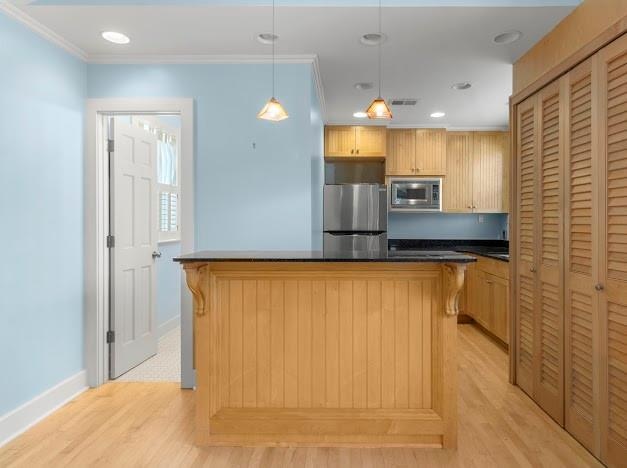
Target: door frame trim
x=96 y=224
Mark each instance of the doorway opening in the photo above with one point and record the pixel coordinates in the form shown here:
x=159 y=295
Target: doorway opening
x=144 y=236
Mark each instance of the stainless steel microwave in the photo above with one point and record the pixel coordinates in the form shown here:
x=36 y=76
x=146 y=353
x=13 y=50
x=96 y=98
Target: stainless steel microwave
x=415 y=194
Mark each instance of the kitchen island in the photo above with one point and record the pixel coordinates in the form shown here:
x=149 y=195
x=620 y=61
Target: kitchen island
x=325 y=349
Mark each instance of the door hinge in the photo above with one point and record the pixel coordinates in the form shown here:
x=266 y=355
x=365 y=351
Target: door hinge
x=110 y=241
x=110 y=336
x=110 y=146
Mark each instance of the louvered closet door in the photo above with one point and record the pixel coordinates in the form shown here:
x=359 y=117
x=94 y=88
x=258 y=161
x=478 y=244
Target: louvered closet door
x=612 y=288
x=548 y=326
x=526 y=252
x=581 y=258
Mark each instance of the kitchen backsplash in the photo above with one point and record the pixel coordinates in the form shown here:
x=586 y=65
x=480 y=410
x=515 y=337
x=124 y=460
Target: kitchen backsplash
x=446 y=226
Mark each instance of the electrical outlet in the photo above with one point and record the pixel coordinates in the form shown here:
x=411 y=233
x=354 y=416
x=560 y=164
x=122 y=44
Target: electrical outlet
x=481 y=219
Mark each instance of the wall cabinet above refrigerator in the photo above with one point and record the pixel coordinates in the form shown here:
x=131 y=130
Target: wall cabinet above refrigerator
x=354 y=143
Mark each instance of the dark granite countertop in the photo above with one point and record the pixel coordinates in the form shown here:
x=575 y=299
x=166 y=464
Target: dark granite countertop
x=424 y=256
x=496 y=249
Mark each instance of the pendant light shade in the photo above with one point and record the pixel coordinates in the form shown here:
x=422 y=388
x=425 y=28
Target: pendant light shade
x=273 y=110
x=379 y=109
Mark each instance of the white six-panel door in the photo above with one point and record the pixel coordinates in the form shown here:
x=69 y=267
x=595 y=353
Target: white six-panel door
x=134 y=225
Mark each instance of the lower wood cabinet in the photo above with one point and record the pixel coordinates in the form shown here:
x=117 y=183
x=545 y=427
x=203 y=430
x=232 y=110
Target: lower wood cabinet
x=487 y=296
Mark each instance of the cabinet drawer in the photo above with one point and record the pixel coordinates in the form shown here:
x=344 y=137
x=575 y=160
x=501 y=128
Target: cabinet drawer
x=493 y=267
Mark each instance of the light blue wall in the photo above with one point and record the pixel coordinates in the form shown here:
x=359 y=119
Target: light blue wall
x=445 y=226
x=252 y=177
x=317 y=169
x=168 y=283
x=360 y=3
x=42 y=92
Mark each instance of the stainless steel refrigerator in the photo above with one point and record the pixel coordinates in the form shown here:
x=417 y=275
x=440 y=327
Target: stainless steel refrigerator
x=355 y=217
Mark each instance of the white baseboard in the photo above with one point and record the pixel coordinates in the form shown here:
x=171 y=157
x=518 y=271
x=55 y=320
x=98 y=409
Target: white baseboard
x=168 y=326
x=30 y=413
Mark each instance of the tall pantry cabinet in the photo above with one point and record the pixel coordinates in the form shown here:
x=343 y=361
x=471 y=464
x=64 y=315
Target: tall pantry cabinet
x=570 y=259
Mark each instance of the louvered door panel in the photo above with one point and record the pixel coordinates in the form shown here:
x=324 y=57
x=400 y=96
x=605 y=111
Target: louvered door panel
x=581 y=302
x=526 y=146
x=549 y=370
x=612 y=72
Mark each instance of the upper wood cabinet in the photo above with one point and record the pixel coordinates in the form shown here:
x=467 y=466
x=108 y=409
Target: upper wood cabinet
x=416 y=152
x=401 y=154
x=431 y=151
x=457 y=190
x=477 y=165
x=342 y=141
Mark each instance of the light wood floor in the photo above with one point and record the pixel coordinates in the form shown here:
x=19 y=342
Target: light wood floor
x=150 y=424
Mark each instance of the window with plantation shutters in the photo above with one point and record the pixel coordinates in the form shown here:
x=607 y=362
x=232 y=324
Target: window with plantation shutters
x=167 y=175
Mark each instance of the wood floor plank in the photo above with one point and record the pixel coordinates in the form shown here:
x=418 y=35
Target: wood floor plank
x=151 y=424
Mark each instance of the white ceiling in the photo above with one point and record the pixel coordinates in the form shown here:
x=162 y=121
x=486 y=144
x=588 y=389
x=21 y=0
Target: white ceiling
x=428 y=48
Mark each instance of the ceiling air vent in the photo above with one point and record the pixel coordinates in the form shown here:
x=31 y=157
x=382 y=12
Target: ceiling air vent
x=404 y=101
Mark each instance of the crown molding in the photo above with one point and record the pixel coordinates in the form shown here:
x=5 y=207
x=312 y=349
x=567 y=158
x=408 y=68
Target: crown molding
x=157 y=59
x=45 y=32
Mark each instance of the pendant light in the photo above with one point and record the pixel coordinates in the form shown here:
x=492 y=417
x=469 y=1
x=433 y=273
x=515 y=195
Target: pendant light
x=379 y=109
x=273 y=110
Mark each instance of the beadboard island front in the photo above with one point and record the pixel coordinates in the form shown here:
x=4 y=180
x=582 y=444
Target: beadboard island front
x=302 y=348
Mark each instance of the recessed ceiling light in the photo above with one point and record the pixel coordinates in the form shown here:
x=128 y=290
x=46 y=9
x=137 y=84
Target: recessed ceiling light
x=360 y=115
x=373 y=39
x=363 y=86
x=115 y=37
x=462 y=86
x=267 y=38
x=507 y=37
x=438 y=115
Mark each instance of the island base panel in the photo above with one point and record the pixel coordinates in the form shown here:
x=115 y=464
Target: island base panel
x=325 y=354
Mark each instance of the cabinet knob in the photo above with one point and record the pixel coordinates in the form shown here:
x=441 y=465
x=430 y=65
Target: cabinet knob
x=599 y=287
x=357 y=151
x=352 y=151
x=532 y=269
x=470 y=207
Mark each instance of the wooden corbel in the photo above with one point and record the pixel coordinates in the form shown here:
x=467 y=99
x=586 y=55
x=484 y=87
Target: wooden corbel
x=196 y=277
x=453 y=282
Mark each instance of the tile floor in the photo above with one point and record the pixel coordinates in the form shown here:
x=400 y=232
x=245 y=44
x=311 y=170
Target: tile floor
x=165 y=366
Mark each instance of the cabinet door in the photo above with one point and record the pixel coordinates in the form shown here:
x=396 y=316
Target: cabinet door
x=490 y=150
x=549 y=330
x=499 y=307
x=481 y=299
x=526 y=146
x=401 y=153
x=612 y=227
x=471 y=290
x=457 y=186
x=339 y=141
x=431 y=152
x=581 y=258
x=370 y=141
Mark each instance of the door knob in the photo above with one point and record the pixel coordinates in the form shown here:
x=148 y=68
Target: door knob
x=599 y=287
x=156 y=254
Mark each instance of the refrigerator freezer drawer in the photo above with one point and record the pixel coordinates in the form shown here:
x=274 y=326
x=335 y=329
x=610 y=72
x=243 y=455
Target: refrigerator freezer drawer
x=355 y=241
